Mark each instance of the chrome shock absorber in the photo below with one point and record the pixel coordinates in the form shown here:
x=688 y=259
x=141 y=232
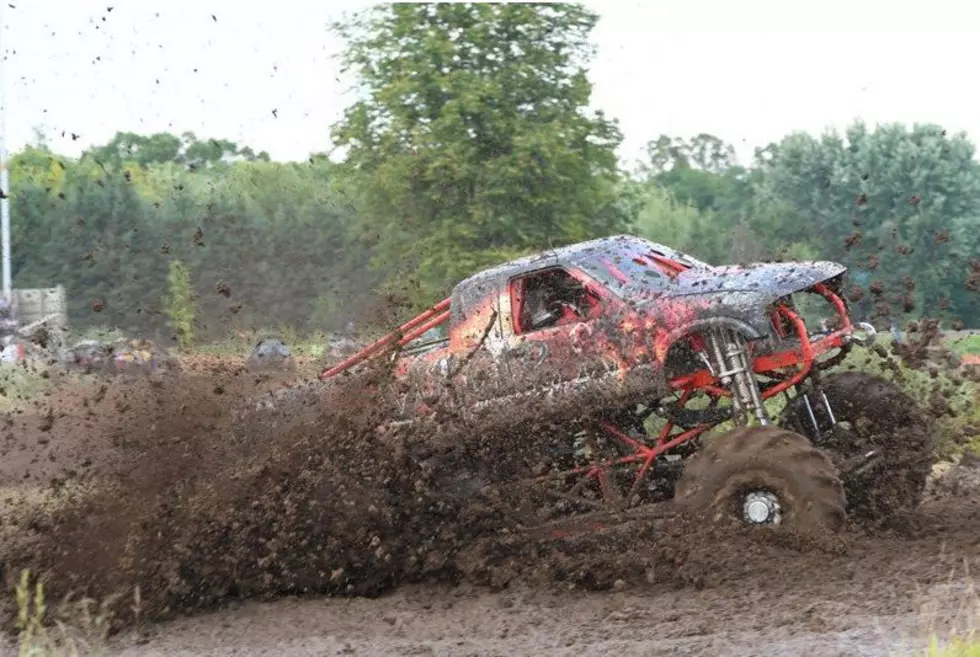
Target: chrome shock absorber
x=729 y=361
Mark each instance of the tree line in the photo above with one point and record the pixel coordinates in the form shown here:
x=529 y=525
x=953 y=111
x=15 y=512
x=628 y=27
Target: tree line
x=472 y=142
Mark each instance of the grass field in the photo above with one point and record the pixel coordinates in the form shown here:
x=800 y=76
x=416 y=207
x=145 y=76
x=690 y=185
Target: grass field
x=965 y=342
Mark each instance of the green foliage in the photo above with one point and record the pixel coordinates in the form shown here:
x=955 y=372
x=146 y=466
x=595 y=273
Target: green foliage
x=180 y=305
x=164 y=147
x=701 y=171
x=262 y=240
x=899 y=206
x=956 y=647
x=663 y=218
x=894 y=202
x=472 y=141
x=317 y=245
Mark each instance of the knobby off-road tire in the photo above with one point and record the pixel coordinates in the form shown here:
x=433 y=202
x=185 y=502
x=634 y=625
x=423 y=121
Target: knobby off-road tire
x=786 y=464
x=872 y=414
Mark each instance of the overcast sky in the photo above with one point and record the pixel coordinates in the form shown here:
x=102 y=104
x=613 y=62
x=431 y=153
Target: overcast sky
x=748 y=71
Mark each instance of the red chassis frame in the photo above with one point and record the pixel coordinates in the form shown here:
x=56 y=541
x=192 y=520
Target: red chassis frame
x=803 y=356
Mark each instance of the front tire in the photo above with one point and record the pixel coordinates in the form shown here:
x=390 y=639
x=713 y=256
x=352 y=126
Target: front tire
x=764 y=476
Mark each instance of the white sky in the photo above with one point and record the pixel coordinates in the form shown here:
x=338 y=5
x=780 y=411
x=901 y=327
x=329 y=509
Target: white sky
x=748 y=71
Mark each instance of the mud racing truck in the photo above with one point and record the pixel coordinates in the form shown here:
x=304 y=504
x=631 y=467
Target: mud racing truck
x=630 y=373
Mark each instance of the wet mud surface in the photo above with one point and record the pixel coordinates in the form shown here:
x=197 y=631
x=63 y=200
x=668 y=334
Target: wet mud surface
x=878 y=597
x=378 y=549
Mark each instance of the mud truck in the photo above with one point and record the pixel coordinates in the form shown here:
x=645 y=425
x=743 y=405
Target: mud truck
x=629 y=373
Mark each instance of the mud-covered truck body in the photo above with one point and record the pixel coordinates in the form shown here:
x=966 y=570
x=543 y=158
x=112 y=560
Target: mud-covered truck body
x=599 y=319
x=637 y=351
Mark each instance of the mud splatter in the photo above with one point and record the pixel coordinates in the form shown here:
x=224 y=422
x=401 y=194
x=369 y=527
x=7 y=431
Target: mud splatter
x=157 y=491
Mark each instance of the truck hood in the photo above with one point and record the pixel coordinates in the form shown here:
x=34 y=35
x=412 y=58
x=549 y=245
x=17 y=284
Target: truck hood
x=767 y=279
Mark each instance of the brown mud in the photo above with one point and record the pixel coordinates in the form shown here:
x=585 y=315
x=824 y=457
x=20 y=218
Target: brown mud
x=195 y=518
x=668 y=592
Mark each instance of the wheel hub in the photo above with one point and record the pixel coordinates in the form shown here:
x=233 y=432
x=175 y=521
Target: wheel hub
x=761 y=508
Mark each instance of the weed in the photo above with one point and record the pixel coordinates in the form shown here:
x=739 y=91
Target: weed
x=73 y=628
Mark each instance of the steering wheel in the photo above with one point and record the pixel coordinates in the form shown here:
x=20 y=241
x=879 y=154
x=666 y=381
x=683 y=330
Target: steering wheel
x=560 y=307
x=545 y=317
x=548 y=316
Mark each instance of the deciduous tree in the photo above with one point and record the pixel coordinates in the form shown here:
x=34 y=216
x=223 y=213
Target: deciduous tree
x=472 y=139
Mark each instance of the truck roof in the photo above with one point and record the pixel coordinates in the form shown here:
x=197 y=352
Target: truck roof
x=471 y=291
x=608 y=247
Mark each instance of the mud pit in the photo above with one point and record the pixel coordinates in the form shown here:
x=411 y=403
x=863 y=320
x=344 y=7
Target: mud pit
x=158 y=494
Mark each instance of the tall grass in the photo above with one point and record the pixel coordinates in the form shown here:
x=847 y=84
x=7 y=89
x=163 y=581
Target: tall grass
x=949 y=620
x=70 y=629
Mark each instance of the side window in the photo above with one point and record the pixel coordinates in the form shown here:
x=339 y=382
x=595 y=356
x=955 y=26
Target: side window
x=550 y=298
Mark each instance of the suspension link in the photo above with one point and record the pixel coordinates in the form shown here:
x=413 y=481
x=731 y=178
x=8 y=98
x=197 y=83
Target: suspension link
x=813 y=389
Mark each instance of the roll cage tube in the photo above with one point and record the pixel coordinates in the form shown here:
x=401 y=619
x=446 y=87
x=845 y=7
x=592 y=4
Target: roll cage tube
x=804 y=356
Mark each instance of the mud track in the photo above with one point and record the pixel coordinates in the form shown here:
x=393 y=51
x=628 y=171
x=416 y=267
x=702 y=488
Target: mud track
x=877 y=596
x=147 y=487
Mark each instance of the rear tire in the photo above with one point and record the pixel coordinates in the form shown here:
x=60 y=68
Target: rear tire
x=737 y=467
x=873 y=414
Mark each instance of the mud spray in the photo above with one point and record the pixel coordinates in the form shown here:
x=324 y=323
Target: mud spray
x=148 y=487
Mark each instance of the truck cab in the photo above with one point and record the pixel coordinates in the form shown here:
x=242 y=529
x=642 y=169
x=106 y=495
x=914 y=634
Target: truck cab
x=566 y=322
x=592 y=324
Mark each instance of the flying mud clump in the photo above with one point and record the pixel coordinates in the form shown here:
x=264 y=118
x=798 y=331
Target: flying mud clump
x=174 y=504
x=178 y=506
